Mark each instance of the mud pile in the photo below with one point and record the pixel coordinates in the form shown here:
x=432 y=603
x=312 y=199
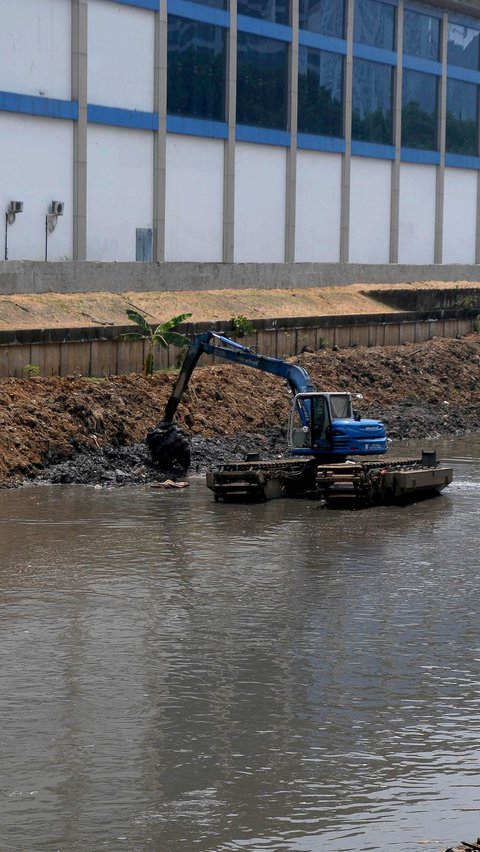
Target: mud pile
x=77 y=429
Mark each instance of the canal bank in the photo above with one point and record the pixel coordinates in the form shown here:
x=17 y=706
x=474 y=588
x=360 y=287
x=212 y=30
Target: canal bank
x=96 y=427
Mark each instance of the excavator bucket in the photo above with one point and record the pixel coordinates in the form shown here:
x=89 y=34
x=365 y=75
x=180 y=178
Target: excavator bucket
x=168 y=447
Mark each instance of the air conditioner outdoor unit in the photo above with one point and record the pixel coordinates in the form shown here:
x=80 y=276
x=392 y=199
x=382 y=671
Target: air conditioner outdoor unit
x=57 y=208
x=15 y=207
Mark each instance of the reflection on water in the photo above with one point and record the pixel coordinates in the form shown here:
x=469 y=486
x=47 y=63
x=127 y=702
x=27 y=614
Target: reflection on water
x=178 y=674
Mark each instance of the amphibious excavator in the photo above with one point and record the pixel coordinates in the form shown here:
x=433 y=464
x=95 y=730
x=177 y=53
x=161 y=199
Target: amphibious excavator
x=324 y=430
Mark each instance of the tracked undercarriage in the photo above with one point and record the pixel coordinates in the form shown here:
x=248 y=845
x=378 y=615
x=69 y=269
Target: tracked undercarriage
x=351 y=483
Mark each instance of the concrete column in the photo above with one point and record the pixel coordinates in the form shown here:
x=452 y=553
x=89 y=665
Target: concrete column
x=291 y=188
x=397 y=140
x=79 y=29
x=347 y=120
x=229 y=154
x=442 y=122
x=160 y=135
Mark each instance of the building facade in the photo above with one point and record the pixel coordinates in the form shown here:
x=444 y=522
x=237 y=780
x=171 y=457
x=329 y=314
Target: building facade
x=265 y=131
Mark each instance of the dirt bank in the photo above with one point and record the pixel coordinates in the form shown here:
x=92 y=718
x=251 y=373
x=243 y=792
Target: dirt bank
x=74 y=310
x=95 y=428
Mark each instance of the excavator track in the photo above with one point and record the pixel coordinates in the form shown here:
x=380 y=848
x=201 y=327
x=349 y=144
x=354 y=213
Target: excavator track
x=346 y=484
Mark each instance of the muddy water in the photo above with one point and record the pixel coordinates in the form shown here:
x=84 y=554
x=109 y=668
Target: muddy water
x=181 y=675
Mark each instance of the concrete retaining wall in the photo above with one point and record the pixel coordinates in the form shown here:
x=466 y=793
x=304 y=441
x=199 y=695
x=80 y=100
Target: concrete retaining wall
x=81 y=277
x=99 y=352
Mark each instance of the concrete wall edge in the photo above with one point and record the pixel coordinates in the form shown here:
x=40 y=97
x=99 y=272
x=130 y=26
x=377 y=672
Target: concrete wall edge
x=87 y=276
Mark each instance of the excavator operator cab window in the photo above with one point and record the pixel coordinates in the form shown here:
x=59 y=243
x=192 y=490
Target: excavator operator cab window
x=320 y=420
x=341 y=406
x=310 y=421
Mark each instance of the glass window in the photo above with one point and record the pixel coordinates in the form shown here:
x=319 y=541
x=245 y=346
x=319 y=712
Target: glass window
x=323 y=16
x=217 y=4
x=462 y=118
x=374 y=23
x=276 y=11
x=196 y=69
x=419 y=110
x=463 y=44
x=320 y=87
x=421 y=35
x=372 y=102
x=262 y=81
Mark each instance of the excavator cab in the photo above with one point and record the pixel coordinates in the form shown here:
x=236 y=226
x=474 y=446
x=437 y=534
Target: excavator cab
x=325 y=424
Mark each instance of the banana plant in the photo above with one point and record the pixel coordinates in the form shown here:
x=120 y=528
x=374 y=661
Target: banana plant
x=163 y=335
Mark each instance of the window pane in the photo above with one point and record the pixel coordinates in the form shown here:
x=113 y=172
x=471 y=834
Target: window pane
x=323 y=16
x=262 y=74
x=374 y=23
x=421 y=35
x=463 y=46
x=217 y=4
x=276 y=11
x=372 y=102
x=320 y=86
x=462 y=118
x=196 y=69
x=419 y=110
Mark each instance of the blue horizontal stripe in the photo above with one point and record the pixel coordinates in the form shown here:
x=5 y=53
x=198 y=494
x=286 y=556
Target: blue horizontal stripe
x=461 y=161
x=267 y=29
x=374 y=54
x=36 y=105
x=197 y=127
x=116 y=117
x=427 y=66
x=262 y=135
x=310 y=141
x=414 y=155
x=373 y=149
x=154 y=5
x=198 y=12
x=321 y=42
x=465 y=74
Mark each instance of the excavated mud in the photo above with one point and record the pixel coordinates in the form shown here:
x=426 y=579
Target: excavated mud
x=79 y=430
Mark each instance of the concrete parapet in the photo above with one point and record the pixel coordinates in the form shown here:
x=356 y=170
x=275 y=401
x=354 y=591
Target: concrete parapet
x=84 y=276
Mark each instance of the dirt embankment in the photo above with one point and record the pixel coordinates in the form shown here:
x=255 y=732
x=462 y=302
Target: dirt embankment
x=418 y=390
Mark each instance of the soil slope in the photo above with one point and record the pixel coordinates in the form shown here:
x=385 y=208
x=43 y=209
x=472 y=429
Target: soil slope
x=418 y=390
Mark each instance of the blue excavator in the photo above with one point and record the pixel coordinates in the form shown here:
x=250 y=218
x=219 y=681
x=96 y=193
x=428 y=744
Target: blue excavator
x=321 y=425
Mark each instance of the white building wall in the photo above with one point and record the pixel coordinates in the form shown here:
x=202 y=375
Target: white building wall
x=35 y=44
x=260 y=194
x=119 y=191
x=370 y=192
x=36 y=168
x=417 y=213
x=194 y=199
x=459 y=216
x=121 y=51
x=318 y=207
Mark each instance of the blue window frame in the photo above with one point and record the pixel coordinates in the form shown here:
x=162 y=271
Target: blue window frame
x=372 y=102
x=463 y=45
x=421 y=35
x=275 y=11
x=320 y=88
x=262 y=81
x=462 y=118
x=419 y=110
x=196 y=69
x=374 y=24
x=326 y=17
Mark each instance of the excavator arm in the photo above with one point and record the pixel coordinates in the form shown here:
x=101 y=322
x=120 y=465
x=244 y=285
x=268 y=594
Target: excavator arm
x=166 y=444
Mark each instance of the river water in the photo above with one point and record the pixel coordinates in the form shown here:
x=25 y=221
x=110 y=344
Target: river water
x=178 y=674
